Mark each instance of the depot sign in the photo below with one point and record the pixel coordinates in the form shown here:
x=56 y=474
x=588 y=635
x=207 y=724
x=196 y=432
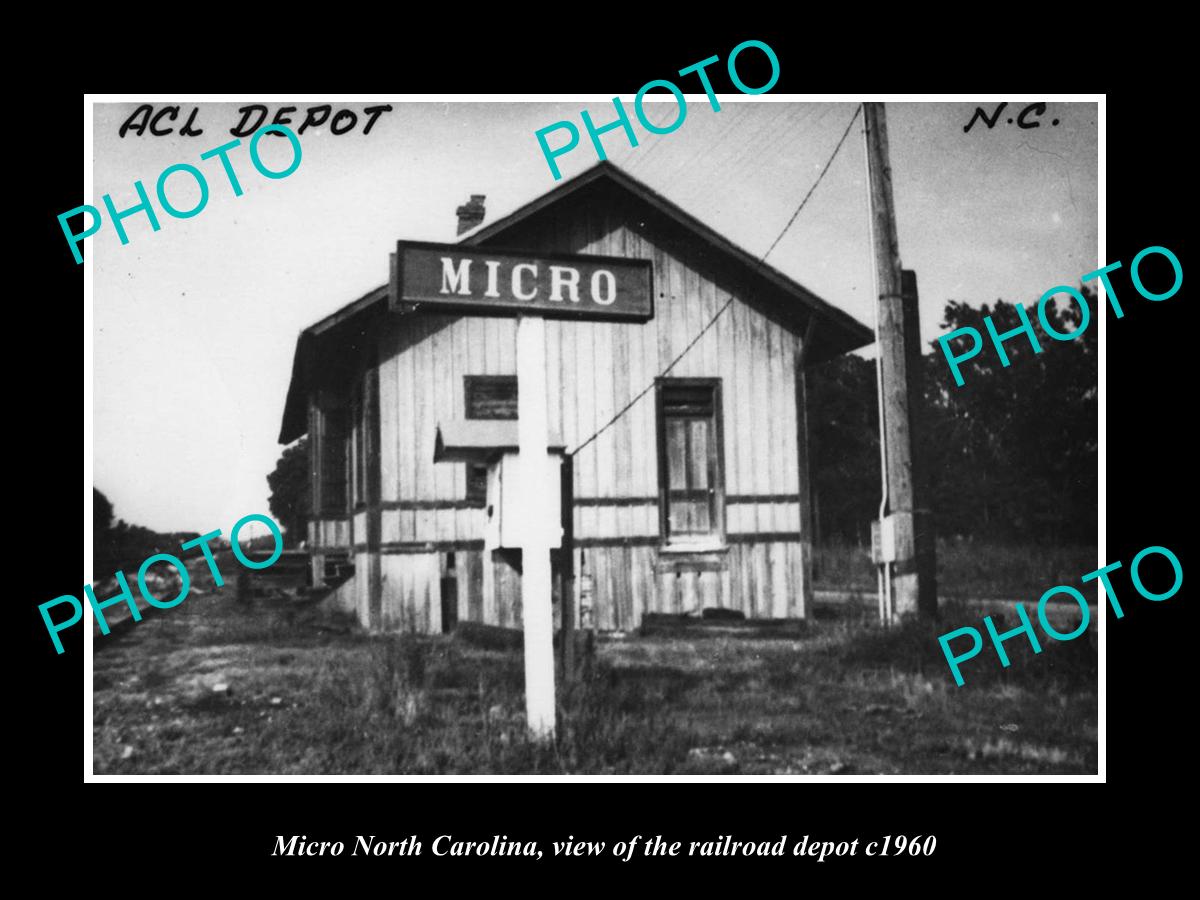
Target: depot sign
x=489 y=282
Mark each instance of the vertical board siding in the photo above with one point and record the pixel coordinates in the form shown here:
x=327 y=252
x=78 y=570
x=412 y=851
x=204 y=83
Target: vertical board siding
x=333 y=533
x=411 y=595
x=595 y=369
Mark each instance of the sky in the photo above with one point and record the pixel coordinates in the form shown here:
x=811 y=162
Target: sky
x=196 y=324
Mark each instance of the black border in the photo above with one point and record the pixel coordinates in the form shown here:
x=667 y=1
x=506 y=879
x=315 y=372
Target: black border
x=216 y=836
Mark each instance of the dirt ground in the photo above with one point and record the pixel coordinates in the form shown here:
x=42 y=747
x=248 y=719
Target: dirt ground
x=275 y=686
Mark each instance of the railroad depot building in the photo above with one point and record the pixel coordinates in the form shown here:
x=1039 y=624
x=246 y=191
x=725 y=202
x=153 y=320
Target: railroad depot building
x=695 y=497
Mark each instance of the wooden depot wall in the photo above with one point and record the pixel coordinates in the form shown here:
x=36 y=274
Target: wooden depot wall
x=429 y=539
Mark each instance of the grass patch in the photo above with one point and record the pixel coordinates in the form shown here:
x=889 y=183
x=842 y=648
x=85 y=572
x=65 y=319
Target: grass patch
x=215 y=687
x=966 y=568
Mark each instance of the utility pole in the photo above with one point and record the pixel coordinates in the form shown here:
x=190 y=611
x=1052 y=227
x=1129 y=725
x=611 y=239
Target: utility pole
x=906 y=533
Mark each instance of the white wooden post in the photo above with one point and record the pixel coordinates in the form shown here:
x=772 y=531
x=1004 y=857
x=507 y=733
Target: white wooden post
x=537 y=525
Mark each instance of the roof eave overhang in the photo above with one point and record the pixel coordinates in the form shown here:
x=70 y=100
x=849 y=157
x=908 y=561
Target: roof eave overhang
x=835 y=333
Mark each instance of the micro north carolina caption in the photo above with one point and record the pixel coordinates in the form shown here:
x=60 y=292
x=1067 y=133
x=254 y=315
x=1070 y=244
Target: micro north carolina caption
x=502 y=845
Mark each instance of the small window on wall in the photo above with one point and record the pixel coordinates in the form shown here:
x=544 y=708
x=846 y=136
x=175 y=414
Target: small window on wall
x=491 y=396
x=356 y=443
x=333 y=439
x=364 y=414
x=487 y=397
x=690 y=462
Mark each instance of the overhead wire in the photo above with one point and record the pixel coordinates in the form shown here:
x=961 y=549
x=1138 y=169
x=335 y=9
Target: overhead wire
x=638 y=161
x=728 y=302
x=752 y=147
x=779 y=138
x=721 y=158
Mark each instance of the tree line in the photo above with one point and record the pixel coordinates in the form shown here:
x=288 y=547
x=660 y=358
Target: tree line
x=1011 y=454
x=120 y=545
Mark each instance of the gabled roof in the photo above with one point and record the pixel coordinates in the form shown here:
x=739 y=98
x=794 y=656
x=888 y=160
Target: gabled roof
x=839 y=332
x=605 y=169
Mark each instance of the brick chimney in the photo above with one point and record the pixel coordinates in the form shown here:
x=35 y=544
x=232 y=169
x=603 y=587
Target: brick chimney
x=470 y=213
